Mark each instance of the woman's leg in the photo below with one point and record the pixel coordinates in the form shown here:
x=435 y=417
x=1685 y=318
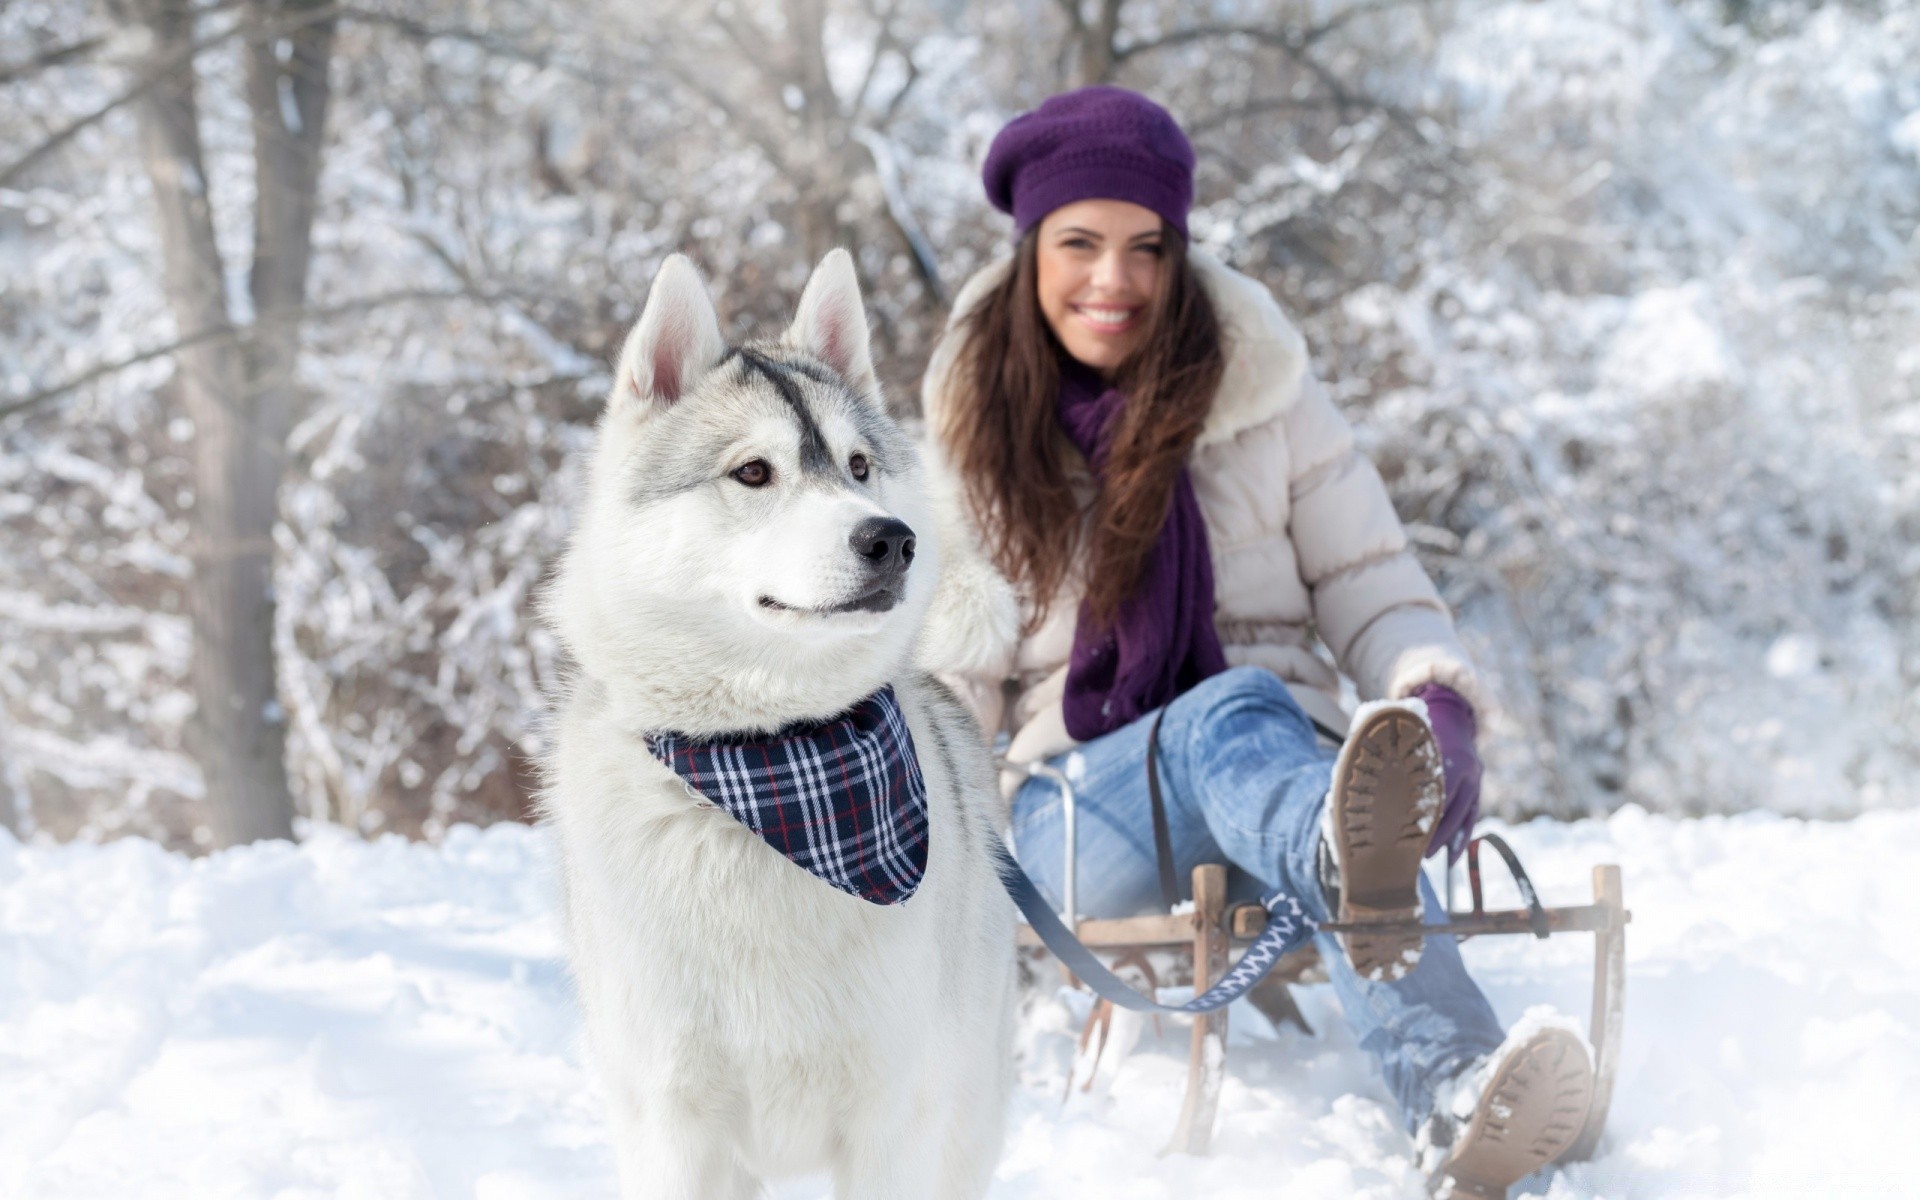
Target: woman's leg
x=1258 y=794
x=1245 y=781
x=1424 y=1028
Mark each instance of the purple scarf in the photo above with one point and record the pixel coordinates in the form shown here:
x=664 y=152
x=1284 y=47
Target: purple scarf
x=1163 y=641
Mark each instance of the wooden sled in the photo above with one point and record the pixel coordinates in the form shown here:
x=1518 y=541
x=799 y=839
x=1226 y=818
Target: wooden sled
x=1202 y=938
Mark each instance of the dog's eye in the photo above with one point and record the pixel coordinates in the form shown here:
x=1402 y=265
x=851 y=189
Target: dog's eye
x=858 y=465
x=754 y=474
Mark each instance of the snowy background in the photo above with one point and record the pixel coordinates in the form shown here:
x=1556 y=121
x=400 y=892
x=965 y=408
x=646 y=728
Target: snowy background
x=1623 y=296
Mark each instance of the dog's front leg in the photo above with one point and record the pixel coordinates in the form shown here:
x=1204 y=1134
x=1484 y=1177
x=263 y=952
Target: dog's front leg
x=888 y=1161
x=662 y=1157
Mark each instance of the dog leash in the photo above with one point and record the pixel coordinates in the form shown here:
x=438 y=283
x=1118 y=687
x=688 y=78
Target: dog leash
x=1162 y=837
x=1288 y=928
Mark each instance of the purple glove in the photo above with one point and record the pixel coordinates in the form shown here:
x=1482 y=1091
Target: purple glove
x=1453 y=731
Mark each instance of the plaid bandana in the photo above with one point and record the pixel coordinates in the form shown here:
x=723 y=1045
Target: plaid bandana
x=843 y=799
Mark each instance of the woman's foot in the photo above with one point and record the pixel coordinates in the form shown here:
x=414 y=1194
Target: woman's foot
x=1388 y=790
x=1505 y=1119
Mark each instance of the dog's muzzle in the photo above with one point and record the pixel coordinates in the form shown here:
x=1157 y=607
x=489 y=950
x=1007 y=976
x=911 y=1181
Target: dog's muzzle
x=886 y=544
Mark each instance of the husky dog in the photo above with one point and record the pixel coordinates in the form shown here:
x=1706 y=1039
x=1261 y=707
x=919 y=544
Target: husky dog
x=758 y=547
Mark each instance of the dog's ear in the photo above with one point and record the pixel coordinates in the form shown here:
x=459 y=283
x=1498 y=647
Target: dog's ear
x=832 y=325
x=675 y=342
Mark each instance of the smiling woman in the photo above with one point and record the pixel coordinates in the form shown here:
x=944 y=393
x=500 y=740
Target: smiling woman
x=1148 y=458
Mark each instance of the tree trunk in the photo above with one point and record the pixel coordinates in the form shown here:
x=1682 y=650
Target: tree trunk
x=822 y=150
x=239 y=395
x=288 y=100
x=1090 y=48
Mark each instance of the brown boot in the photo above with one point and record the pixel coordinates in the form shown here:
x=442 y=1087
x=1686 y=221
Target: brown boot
x=1388 y=789
x=1529 y=1111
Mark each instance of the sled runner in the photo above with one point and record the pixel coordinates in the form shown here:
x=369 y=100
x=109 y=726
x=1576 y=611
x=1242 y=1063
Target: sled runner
x=1200 y=939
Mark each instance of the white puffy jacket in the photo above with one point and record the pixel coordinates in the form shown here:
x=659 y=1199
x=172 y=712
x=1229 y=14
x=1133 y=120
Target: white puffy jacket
x=1304 y=538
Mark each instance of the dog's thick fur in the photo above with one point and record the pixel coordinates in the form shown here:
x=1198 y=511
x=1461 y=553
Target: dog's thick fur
x=748 y=1020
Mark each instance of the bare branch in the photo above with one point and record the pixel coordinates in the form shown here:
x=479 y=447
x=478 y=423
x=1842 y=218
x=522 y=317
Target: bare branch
x=33 y=399
x=66 y=52
x=493 y=43
x=1294 y=42
x=773 y=72
x=1349 y=100
x=1285 y=36
x=318 y=313
x=919 y=246
x=77 y=126
x=900 y=97
x=746 y=126
x=548 y=54
x=156 y=73
x=53 y=56
x=883 y=41
x=1266 y=35
x=1254 y=108
x=1354 y=12
x=756 y=50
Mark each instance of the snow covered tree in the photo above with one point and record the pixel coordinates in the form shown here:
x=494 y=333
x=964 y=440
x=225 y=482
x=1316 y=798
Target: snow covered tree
x=1622 y=300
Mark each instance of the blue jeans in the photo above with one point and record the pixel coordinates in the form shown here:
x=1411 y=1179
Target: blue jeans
x=1245 y=782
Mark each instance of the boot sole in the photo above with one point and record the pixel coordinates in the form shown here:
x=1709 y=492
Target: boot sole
x=1390 y=790
x=1531 y=1112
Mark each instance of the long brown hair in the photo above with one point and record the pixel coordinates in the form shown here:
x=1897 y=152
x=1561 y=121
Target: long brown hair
x=1015 y=461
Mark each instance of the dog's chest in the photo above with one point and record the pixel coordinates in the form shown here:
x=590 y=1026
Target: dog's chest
x=714 y=944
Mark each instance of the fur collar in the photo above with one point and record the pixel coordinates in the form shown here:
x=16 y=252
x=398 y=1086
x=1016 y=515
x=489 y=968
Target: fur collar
x=1266 y=356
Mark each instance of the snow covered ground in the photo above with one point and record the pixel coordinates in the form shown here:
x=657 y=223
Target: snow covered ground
x=392 y=1020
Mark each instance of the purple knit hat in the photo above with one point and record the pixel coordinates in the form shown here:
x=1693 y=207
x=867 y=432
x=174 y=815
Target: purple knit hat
x=1097 y=143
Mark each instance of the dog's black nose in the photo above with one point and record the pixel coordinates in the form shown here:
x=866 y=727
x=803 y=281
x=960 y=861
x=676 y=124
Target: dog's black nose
x=885 y=542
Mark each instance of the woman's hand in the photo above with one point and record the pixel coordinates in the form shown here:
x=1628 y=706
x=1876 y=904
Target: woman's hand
x=1454 y=729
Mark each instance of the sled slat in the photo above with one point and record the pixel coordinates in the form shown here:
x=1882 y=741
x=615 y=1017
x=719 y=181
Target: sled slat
x=1124 y=931
x=1207 y=1064
x=1582 y=918
x=1609 y=1007
x=1249 y=919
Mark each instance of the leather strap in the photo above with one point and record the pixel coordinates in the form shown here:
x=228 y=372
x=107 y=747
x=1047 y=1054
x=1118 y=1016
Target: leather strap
x=1162 y=836
x=1536 y=912
x=1162 y=833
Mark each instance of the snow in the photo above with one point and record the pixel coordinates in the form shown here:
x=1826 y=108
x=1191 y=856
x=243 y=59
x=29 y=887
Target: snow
x=393 y=1019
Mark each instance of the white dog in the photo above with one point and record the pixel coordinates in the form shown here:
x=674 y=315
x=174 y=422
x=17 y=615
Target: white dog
x=756 y=552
